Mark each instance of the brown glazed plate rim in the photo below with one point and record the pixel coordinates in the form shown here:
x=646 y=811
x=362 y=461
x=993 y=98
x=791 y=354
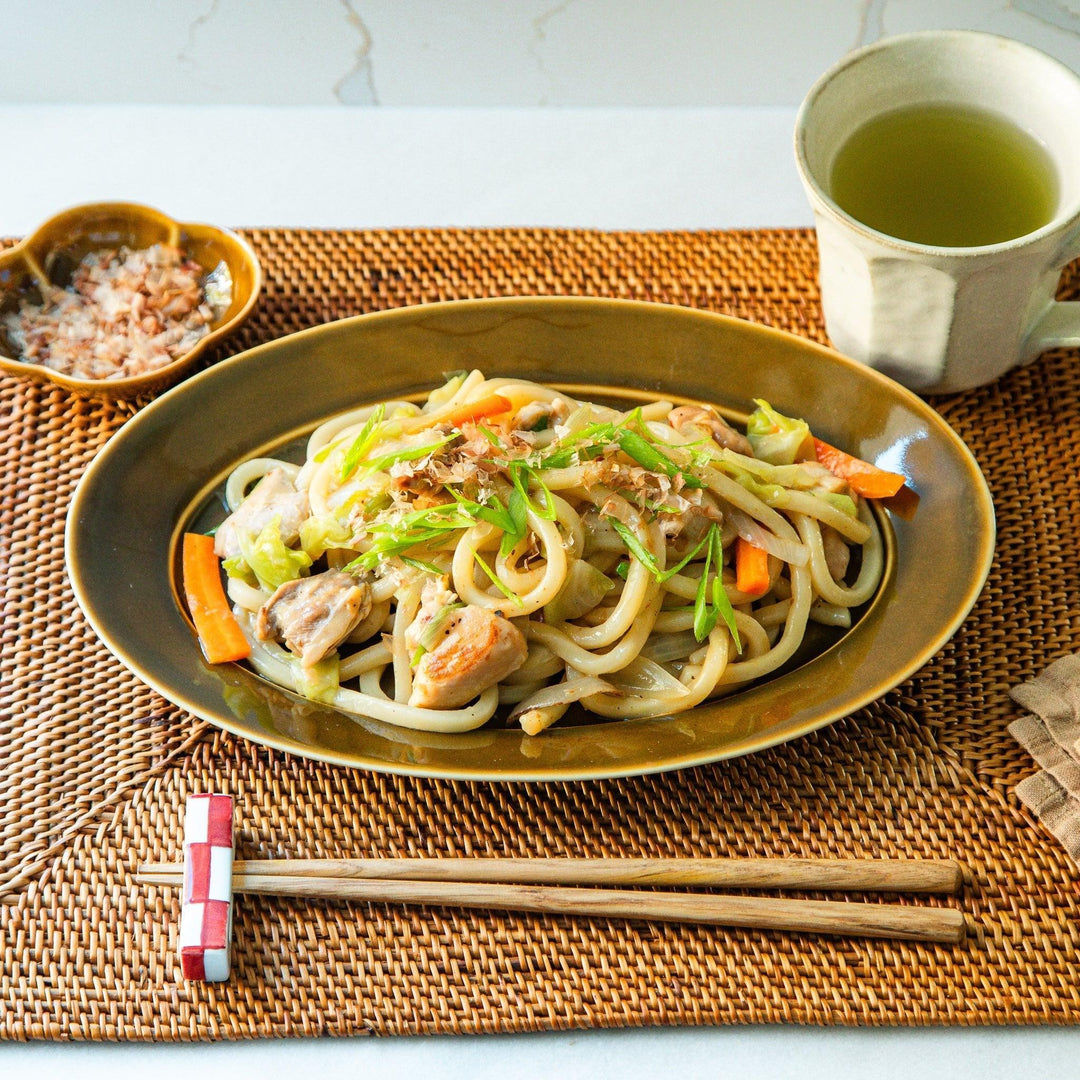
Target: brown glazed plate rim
x=157 y=476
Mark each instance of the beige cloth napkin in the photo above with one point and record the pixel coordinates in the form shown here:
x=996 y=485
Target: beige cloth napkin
x=1051 y=735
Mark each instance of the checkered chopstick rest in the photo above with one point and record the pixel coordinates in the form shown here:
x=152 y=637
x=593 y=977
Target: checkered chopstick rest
x=206 y=914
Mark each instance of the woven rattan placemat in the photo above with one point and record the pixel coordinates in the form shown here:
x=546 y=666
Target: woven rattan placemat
x=94 y=767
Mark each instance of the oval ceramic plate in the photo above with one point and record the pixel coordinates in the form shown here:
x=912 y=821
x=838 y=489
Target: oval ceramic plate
x=159 y=474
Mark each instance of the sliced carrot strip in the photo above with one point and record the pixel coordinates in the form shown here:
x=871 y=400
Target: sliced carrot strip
x=491 y=405
x=219 y=633
x=904 y=503
x=751 y=568
x=862 y=477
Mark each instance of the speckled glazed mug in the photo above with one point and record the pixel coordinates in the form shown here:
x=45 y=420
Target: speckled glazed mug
x=939 y=318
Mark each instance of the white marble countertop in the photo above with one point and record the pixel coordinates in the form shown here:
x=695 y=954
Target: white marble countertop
x=588 y=168
x=629 y=168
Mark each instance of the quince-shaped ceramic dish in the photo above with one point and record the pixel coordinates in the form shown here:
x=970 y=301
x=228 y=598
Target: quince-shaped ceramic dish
x=50 y=254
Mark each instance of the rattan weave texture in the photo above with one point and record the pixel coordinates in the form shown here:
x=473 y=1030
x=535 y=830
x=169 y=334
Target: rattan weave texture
x=94 y=767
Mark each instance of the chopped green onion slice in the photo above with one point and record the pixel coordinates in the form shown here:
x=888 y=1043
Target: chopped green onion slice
x=562 y=458
x=429 y=636
x=704 y=619
x=636 y=547
x=493 y=578
x=389 y=544
x=510 y=520
x=520 y=475
x=517 y=511
x=668 y=574
x=706 y=615
x=602 y=433
x=362 y=443
x=376 y=503
x=494 y=513
x=645 y=454
x=721 y=603
x=570 y=449
x=440 y=516
x=411 y=453
x=490 y=436
x=419 y=564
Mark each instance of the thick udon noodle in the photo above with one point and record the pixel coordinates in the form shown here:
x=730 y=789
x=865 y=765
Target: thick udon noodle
x=638 y=642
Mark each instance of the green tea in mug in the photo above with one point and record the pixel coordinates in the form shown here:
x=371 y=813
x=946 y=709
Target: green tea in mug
x=945 y=175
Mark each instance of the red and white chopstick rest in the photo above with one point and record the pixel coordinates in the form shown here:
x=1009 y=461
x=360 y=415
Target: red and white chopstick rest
x=206 y=914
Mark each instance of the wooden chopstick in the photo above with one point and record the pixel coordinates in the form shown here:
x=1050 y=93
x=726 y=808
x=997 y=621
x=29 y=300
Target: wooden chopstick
x=541 y=885
x=943 y=925
x=940 y=876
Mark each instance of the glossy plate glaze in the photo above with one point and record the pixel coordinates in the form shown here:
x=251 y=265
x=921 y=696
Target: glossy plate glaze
x=159 y=475
x=53 y=250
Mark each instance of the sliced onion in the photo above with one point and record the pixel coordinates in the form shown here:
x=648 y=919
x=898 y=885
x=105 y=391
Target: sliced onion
x=789 y=551
x=580 y=418
x=645 y=676
x=540 y=665
x=664 y=647
x=562 y=694
x=600 y=535
x=583 y=588
x=620 y=509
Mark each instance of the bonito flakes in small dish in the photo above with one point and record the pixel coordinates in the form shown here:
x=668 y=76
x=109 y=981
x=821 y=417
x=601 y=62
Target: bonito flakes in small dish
x=125 y=313
x=118 y=299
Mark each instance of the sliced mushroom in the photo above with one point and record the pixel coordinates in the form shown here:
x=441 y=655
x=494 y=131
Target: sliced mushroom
x=314 y=615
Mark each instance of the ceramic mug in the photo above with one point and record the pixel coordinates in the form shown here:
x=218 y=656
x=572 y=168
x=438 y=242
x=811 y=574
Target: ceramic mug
x=944 y=318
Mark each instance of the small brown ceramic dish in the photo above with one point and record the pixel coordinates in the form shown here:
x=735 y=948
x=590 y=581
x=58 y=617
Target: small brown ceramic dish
x=53 y=250
x=163 y=474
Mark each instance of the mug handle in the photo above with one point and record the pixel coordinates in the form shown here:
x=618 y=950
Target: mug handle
x=1058 y=327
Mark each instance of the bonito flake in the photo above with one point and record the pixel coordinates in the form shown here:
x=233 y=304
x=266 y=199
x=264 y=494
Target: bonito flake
x=125 y=313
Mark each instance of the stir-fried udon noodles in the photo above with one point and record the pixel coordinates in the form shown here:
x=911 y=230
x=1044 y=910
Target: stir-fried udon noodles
x=504 y=544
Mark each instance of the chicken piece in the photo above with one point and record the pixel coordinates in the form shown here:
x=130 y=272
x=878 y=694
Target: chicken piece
x=477 y=649
x=542 y=413
x=314 y=615
x=272 y=497
x=837 y=552
x=723 y=434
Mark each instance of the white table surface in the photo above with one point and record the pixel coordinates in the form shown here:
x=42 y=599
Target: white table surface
x=589 y=168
